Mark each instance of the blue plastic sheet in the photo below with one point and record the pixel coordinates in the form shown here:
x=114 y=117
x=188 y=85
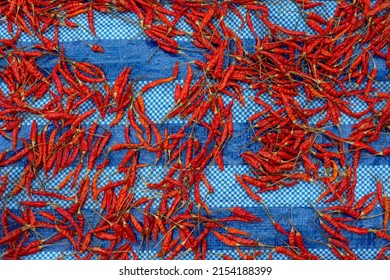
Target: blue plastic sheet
x=126 y=45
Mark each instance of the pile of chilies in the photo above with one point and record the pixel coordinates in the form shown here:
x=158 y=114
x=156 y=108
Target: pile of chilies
x=330 y=65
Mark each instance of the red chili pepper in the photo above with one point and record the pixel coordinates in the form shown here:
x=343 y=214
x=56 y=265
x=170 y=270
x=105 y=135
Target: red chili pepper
x=163 y=80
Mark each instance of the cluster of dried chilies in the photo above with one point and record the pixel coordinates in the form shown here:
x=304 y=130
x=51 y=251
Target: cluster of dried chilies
x=305 y=84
